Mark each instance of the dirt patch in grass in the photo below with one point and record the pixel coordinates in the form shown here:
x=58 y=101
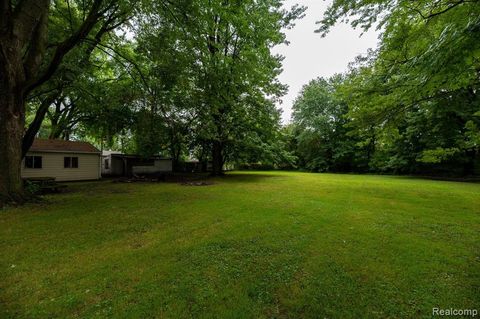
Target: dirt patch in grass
x=165 y=177
x=197 y=183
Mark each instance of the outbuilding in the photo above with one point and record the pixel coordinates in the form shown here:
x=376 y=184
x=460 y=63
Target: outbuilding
x=63 y=160
x=118 y=164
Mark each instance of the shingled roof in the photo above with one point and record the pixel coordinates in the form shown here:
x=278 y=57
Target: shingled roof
x=43 y=145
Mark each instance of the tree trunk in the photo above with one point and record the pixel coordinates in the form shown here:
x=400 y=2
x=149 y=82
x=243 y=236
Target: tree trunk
x=12 y=121
x=23 y=41
x=21 y=47
x=34 y=127
x=203 y=158
x=175 y=153
x=217 y=158
x=469 y=165
x=11 y=134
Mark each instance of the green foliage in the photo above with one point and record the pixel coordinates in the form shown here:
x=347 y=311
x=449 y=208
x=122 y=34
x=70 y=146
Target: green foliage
x=148 y=137
x=89 y=95
x=319 y=122
x=412 y=102
x=32 y=188
x=437 y=155
x=428 y=50
x=210 y=76
x=184 y=79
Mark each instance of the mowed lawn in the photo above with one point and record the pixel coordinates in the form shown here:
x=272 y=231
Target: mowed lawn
x=252 y=245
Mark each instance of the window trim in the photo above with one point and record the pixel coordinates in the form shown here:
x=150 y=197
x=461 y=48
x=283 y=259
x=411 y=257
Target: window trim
x=70 y=162
x=37 y=162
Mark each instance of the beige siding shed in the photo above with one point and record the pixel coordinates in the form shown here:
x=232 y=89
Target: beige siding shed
x=53 y=161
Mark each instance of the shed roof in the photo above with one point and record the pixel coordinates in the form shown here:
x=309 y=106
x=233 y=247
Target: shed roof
x=44 y=145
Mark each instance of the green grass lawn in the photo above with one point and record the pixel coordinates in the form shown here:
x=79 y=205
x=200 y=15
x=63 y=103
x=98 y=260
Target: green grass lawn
x=253 y=245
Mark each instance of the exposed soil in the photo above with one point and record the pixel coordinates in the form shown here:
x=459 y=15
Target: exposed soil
x=191 y=179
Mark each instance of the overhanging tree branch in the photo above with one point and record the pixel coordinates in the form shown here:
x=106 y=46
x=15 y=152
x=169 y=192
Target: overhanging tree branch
x=108 y=25
x=5 y=12
x=63 y=48
x=26 y=16
x=36 y=123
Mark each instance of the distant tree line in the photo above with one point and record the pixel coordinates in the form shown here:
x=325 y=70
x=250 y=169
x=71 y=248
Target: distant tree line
x=412 y=106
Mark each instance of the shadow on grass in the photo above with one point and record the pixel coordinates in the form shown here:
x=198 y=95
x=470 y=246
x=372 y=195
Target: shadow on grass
x=467 y=179
x=245 y=177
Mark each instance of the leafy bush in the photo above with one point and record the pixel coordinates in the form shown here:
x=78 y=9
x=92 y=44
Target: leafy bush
x=32 y=188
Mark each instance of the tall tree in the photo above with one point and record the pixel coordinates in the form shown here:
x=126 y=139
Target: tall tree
x=237 y=70
x=29 y=56
x=221 y=52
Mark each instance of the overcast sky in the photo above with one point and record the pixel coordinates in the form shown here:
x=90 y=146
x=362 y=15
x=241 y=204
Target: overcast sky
x=309 y=56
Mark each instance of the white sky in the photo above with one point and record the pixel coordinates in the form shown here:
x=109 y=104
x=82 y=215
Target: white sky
x=309 y=56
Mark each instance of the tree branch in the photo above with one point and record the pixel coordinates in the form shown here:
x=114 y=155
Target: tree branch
x=431 y=15
x=37 y=47
x=5 y=12
x=63 y=48
x=27 y=14
x=36 y=123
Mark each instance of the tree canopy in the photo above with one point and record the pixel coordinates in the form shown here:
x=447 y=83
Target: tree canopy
x=413 y=103
x=191 y=78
